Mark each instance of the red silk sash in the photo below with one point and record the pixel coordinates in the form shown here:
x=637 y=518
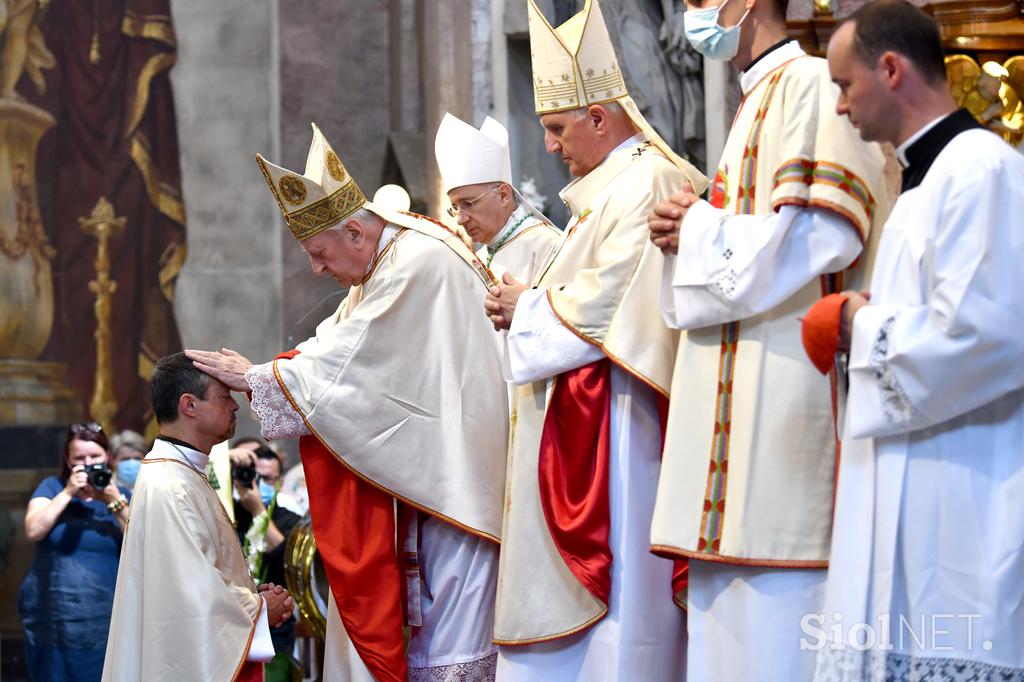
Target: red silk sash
x=354 y=528
x=574 y=471
x=250 y=672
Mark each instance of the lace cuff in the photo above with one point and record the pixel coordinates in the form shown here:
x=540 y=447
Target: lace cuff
x=480 y=670
x=849 y=665
x=270 y=406
x=895 y=403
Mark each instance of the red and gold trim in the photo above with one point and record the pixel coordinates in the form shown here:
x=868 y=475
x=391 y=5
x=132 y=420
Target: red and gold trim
x=827 y=174
x=669 y=551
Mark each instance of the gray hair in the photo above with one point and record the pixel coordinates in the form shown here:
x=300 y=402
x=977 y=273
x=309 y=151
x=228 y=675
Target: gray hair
x=127 y=438
x=363 y=215
x=613 y=108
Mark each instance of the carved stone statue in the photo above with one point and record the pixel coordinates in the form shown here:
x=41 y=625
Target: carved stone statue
x=24 y=50
x=663 y=74
x=31 y=391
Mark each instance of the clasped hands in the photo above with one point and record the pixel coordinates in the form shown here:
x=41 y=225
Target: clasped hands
x=279 y=603
x=500 y=304
x=668 y=216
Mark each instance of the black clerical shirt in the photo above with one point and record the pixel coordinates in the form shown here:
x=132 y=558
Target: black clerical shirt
x=923 y=152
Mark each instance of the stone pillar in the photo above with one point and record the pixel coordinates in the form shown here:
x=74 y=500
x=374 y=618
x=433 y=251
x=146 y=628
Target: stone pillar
x=333 y=70
x=228 y=293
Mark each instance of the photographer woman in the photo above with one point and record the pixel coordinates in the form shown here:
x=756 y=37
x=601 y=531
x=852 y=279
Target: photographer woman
x=78 y=520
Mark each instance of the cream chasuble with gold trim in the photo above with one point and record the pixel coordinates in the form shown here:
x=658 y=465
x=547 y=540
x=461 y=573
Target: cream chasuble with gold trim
x=433 y=434
x=602 y=285
x=526 y=252
x=185 y=605
x=749 y=465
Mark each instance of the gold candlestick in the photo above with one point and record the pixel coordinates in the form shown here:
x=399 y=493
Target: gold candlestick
x=102 y=224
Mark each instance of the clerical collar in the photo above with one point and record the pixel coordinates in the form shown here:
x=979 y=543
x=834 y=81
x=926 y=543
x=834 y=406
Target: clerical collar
x=631 y=142
x=513 y=225
x=769 y=60
x=166 y=446
x=581 y=191
x=387 y=235
x=919 y=152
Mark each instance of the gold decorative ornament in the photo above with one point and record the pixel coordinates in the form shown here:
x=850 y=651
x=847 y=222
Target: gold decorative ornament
x=992 y=92
x=822 y=7
x=29 y=236
x=103 y=225
x=334 y=167
x=293 y=190
x=306 y=578
x=329 y=193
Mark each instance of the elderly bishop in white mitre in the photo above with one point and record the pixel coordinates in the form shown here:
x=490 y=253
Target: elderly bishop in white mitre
x=393 y=402
x=580 y=596
x=476 y=174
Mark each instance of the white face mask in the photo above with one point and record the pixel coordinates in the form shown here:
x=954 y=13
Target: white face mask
x=710 y=38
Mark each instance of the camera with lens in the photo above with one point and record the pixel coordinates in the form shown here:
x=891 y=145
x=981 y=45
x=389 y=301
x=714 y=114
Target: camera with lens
x=98 y=475
x=245 y=475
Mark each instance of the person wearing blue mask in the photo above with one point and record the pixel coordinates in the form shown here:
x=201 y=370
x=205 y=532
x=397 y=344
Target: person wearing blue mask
x=748 y=471
x=261 y=510
x=127 y=450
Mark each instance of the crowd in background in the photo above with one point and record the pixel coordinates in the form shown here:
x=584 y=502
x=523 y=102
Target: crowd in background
x=77 y=520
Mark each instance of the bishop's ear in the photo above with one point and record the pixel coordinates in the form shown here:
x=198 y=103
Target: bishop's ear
x=354 y=233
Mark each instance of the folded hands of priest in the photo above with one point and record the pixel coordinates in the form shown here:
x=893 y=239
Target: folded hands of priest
x=668 y=215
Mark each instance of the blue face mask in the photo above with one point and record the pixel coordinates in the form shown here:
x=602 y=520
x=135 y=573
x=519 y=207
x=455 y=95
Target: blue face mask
x=710 y=38
x=266 y=492
x=128 y=471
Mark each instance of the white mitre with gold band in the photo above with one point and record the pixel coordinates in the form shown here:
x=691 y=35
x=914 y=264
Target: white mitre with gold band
x=325 y=194
x=321 y=197
x=470 y=156
x=574 y=66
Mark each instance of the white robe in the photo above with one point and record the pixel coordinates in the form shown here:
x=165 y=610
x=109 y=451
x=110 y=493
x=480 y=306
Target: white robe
x=643 y=635
x=759 y=264
x=185 y=606
x=458 y=571
x=927 y=567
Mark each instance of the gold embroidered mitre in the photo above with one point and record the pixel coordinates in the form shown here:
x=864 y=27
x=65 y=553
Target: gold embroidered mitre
x=574 y=66
x=322 y=196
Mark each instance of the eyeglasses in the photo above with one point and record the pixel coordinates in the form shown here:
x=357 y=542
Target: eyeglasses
x=91 y=427
x=467 y=205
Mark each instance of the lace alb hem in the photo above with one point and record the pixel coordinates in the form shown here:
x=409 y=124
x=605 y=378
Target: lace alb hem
x=270 y=406
x=480 y=670
x=850 y=665
x=895 y=403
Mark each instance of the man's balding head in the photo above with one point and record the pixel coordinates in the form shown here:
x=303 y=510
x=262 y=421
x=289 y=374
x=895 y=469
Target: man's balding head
x=583 y=137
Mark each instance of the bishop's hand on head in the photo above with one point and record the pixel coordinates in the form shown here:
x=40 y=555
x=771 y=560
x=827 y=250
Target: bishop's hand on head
x=227 y=366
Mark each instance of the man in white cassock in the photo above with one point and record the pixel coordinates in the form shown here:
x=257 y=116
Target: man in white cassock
x=747 y=480
x=928 y=549
x=394 y=400
x=185 y=605
x=476 y=174
x=580 y=596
